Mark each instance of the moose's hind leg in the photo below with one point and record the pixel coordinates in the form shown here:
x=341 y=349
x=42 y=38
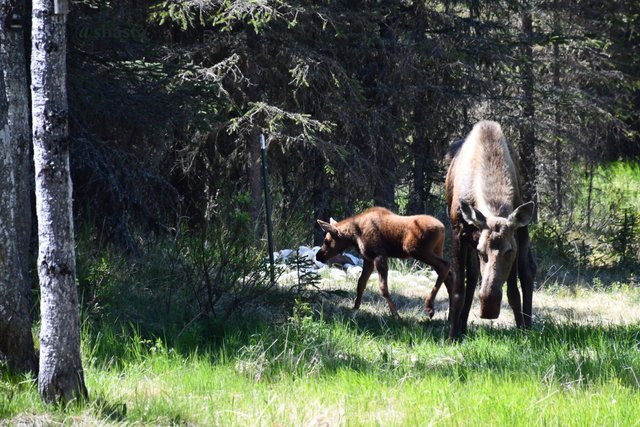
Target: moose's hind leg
x=430 y=299
x=442 y=268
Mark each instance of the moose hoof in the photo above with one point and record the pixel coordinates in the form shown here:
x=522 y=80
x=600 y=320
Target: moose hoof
x=430 y=311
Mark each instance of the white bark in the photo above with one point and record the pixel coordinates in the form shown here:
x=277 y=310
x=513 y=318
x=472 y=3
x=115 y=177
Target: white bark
x=61 y=376
x=16 y=341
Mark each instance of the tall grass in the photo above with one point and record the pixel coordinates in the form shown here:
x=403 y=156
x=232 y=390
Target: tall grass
x=622 y=176
x=311 y=370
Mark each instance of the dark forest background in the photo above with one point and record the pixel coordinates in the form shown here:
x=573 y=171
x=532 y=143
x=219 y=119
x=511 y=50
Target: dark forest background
x=359 y=101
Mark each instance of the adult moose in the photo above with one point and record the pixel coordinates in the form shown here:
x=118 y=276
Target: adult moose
x=379 y=234
x=489 y=228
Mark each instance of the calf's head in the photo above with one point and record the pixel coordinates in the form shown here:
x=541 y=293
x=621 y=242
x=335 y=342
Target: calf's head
x=334 y=241
x=497 y=250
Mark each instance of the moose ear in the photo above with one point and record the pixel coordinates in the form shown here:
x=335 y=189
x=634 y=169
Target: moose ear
x=472 y=215
x=522 y=215
x=329 y=228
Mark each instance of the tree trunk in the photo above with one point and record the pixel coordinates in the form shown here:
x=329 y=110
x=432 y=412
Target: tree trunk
x=558 y=162
x=16 y=341
x=528 y=146
x=417 y=197
x=384 y=187
x=320 y=197
x=252 y=143
x=423 y=154
x=384 y=190
x=61 y=378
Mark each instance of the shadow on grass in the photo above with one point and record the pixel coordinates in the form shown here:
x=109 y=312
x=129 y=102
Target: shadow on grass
x=277 y=308
x=320 y=337
x=304 y=333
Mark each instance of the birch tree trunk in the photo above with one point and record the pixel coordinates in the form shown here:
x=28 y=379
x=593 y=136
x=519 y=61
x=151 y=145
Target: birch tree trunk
x=61 y=378
x=16 y=341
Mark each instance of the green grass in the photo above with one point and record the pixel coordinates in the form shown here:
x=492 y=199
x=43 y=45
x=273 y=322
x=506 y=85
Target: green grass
x=312 y=370
x=622 y=176
x=615 y=187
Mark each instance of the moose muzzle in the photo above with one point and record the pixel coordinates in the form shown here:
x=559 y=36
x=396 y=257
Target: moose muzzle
x=490 y=301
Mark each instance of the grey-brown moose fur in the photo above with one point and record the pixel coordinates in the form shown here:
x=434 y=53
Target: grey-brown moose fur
x=380 y=234
x=489 y=229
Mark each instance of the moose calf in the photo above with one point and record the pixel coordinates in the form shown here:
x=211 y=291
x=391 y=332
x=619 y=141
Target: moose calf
x=379 y=234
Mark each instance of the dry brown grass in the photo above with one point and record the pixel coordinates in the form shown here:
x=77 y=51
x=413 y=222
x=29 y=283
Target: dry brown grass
x=581 y=305
x=49 y=420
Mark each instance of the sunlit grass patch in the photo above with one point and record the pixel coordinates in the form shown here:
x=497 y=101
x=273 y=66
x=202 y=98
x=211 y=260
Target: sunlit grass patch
x=322 y=367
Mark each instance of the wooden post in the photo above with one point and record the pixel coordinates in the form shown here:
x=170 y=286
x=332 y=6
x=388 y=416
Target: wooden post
x=267 y=206
x=60 y=7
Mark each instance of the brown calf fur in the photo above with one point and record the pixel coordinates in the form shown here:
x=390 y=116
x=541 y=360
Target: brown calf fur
x=489 y=229
x=379 y=234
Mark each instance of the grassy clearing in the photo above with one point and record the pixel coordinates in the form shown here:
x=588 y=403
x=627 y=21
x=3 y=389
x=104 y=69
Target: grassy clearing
x=322 y=366
x=620 y=176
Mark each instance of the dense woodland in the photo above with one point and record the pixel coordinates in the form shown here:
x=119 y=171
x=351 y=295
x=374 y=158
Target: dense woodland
x=359 y=102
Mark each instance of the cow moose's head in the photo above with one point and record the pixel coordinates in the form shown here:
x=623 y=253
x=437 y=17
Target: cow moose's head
x=334 y=243
x=497 y=251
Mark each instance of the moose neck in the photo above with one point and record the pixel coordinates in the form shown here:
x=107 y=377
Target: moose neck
x=496 y=192
x=349 y=230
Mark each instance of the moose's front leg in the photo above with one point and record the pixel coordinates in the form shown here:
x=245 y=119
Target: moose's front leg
x=367 y=269
x=527 y=273
x=513 y=294
x=456 y=286
x=380 y=262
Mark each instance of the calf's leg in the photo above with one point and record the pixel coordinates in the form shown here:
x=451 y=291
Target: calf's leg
x=430 y=299
x=441 y=267
x=380 y=263
x=367 y=269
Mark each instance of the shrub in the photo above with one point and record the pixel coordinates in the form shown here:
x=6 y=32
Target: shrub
x=178 y=279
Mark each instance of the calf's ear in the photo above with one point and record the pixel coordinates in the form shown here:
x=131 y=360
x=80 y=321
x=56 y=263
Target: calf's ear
x=522 y=215
x=473 y=216
x=328 y=228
